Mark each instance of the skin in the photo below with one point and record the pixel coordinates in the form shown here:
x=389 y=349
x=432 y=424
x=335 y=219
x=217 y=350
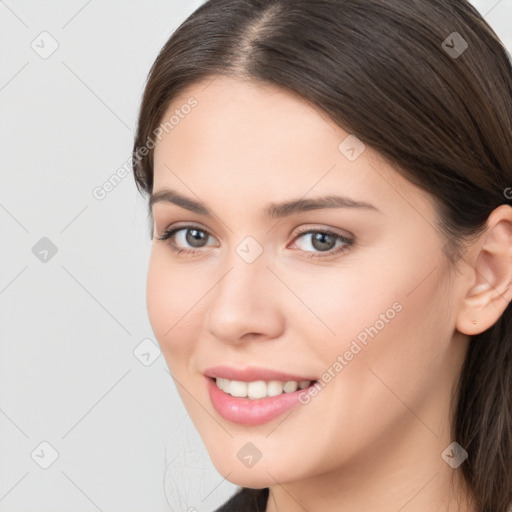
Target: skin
x=372 y=438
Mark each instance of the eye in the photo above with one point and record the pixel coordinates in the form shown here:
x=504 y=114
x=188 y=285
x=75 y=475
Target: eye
x=324 y=241
x=192 y=235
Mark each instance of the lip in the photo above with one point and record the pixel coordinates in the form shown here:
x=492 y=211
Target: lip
x=253 y=373
x=248 y=411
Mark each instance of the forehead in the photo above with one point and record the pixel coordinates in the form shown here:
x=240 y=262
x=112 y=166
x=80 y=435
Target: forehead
x=263 y=140
x=235 y=114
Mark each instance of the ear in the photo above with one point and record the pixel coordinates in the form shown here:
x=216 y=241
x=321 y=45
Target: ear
x=490 y=290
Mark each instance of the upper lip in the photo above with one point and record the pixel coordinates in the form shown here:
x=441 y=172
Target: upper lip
x=253 y=373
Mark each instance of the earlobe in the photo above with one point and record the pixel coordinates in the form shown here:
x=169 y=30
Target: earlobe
x=491 y=289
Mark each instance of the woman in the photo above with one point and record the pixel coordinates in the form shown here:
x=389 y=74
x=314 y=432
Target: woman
x=330 y=275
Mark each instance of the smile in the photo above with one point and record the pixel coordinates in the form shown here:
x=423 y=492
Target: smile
x=259 y=398
x=259 y=388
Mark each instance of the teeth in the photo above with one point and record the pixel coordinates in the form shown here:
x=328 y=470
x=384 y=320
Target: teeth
x=274 y=388
x=237 y=388
x=259 y=388
x=290 y=386
x=222 y=384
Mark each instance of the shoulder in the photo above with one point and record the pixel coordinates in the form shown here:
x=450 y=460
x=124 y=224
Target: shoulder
x=248 y=500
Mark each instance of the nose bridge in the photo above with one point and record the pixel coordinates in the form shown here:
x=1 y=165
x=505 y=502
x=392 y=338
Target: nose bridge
x=244 y=299
x=245 y=278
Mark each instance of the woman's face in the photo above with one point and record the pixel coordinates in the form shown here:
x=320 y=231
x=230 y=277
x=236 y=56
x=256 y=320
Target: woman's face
x=355 y=295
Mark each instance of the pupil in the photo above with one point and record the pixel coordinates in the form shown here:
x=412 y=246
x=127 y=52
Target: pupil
x=197 y=236
x=320 y=237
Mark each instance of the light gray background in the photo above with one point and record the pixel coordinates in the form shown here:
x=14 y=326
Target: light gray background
x=69 y=325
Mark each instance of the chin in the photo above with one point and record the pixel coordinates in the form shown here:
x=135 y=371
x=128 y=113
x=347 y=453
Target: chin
x=255 y=478
x=265 y=472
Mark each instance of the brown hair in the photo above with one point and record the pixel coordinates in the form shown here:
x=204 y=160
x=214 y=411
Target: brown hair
x=394 y=74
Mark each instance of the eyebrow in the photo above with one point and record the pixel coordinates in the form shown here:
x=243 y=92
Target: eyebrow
x=273 y=210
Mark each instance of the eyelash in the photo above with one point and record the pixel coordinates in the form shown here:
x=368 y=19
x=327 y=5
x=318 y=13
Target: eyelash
x=348 y=242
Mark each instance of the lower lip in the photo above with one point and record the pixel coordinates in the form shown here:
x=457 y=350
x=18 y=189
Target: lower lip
x=248 y=411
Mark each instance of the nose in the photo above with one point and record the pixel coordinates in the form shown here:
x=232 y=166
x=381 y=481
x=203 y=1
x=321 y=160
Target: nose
x=245 y=303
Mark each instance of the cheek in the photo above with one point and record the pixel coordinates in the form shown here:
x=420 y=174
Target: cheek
x=396 y=342
x=159 y=297
x=393 y=318
x=341 y=303
x=170 y=296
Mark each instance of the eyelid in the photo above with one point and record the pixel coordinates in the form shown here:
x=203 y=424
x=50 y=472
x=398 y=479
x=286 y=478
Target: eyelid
x=308 y=228
x=347 y=239
x=183 y=225
x=171 y=231
x=301 y=231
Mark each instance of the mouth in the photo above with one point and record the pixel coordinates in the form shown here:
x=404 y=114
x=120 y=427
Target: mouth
x=257 y=401
x=259 y=388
